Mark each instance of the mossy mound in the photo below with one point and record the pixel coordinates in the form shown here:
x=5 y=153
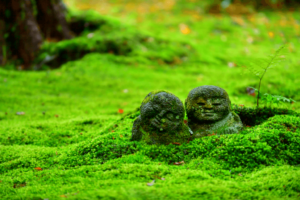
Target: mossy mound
x=252 y=116
x=275 y=142
x=82 y=22
x=105 y=35
x=264 y=158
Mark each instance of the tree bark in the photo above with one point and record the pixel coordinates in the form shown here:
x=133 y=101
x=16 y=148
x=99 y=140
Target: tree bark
x=24 y=24
x=2 y=34
x=3 y=54
x=51 y=19
x=28 y=32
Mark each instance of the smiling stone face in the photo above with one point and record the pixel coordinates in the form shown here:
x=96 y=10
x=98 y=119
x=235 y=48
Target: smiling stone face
x=209 y=110
x=207 y=104
x=161 y=120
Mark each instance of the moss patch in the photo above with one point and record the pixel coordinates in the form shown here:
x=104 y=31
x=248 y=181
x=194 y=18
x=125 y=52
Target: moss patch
x=252 y=161
x=109 y=36
x=45 y=112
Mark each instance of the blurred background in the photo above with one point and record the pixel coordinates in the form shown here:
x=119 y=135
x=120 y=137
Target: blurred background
x=71 y=58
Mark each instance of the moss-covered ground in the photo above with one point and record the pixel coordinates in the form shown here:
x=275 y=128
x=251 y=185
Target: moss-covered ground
x=64 y=132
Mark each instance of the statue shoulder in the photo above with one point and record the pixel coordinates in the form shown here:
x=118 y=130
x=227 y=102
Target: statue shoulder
x=237 y=122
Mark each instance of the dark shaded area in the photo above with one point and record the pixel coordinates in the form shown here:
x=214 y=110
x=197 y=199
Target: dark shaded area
x=84 y=23
x=253 y=117
x=106 y=36
x=271 y=4
x=242 y=7
x=25 y=24
x=73 y=50
x=51 y=19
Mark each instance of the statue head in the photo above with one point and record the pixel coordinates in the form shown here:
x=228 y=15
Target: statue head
x=207 y=104
x=162 y=111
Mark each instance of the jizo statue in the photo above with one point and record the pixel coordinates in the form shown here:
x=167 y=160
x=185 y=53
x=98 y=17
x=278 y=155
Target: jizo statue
x=161 y=120
x=209 y=111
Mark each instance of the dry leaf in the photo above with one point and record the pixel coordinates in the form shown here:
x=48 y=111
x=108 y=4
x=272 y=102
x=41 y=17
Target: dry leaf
x=179 y=163
x=184 y=29
x=18 y=185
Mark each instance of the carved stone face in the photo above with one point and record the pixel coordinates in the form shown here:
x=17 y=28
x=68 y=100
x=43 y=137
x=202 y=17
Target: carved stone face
x=207 y=104
x=163 y=111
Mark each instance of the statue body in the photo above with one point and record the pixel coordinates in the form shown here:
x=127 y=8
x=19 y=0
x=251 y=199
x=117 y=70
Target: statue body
x=209 y=112
x=161 y=120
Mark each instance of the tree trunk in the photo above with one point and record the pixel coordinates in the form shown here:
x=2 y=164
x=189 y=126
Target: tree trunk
x=2 y=34
x=2 y=43
x=51 y=19
x=24 y=24
x=28 y=33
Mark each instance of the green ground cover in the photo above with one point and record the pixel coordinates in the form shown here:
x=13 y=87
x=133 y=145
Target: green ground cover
x=65 y=132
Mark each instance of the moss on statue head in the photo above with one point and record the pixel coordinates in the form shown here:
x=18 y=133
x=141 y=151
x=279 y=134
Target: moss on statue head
x=209 y=110
x=162 y=111
x=161 y=118
x=152 y=94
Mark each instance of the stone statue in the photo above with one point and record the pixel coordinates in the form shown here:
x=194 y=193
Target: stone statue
x=209 y=112
x=161 y=120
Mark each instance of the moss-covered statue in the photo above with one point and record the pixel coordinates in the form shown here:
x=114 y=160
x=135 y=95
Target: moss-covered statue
x=209 y=111
x=161 y=120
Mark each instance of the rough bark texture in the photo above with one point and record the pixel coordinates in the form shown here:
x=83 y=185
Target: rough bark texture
x=27 y=32
x=24 y=24
x=51 y=18
x=2 y=32
x=2 y=43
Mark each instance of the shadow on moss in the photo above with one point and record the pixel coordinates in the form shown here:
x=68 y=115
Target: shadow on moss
x=253 y=117
x=108 y=36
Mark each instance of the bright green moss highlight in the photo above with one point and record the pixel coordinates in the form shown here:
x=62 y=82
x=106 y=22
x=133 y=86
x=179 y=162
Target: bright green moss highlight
x=260 y=162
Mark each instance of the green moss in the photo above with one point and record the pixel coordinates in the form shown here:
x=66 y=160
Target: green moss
x=108 y=36
x=252 y=116
x=85 y=95
x=167 y=138
x=252 y=164
x=152 y=94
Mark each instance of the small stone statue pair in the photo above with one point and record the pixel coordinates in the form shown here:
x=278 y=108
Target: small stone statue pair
x=162 y=116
